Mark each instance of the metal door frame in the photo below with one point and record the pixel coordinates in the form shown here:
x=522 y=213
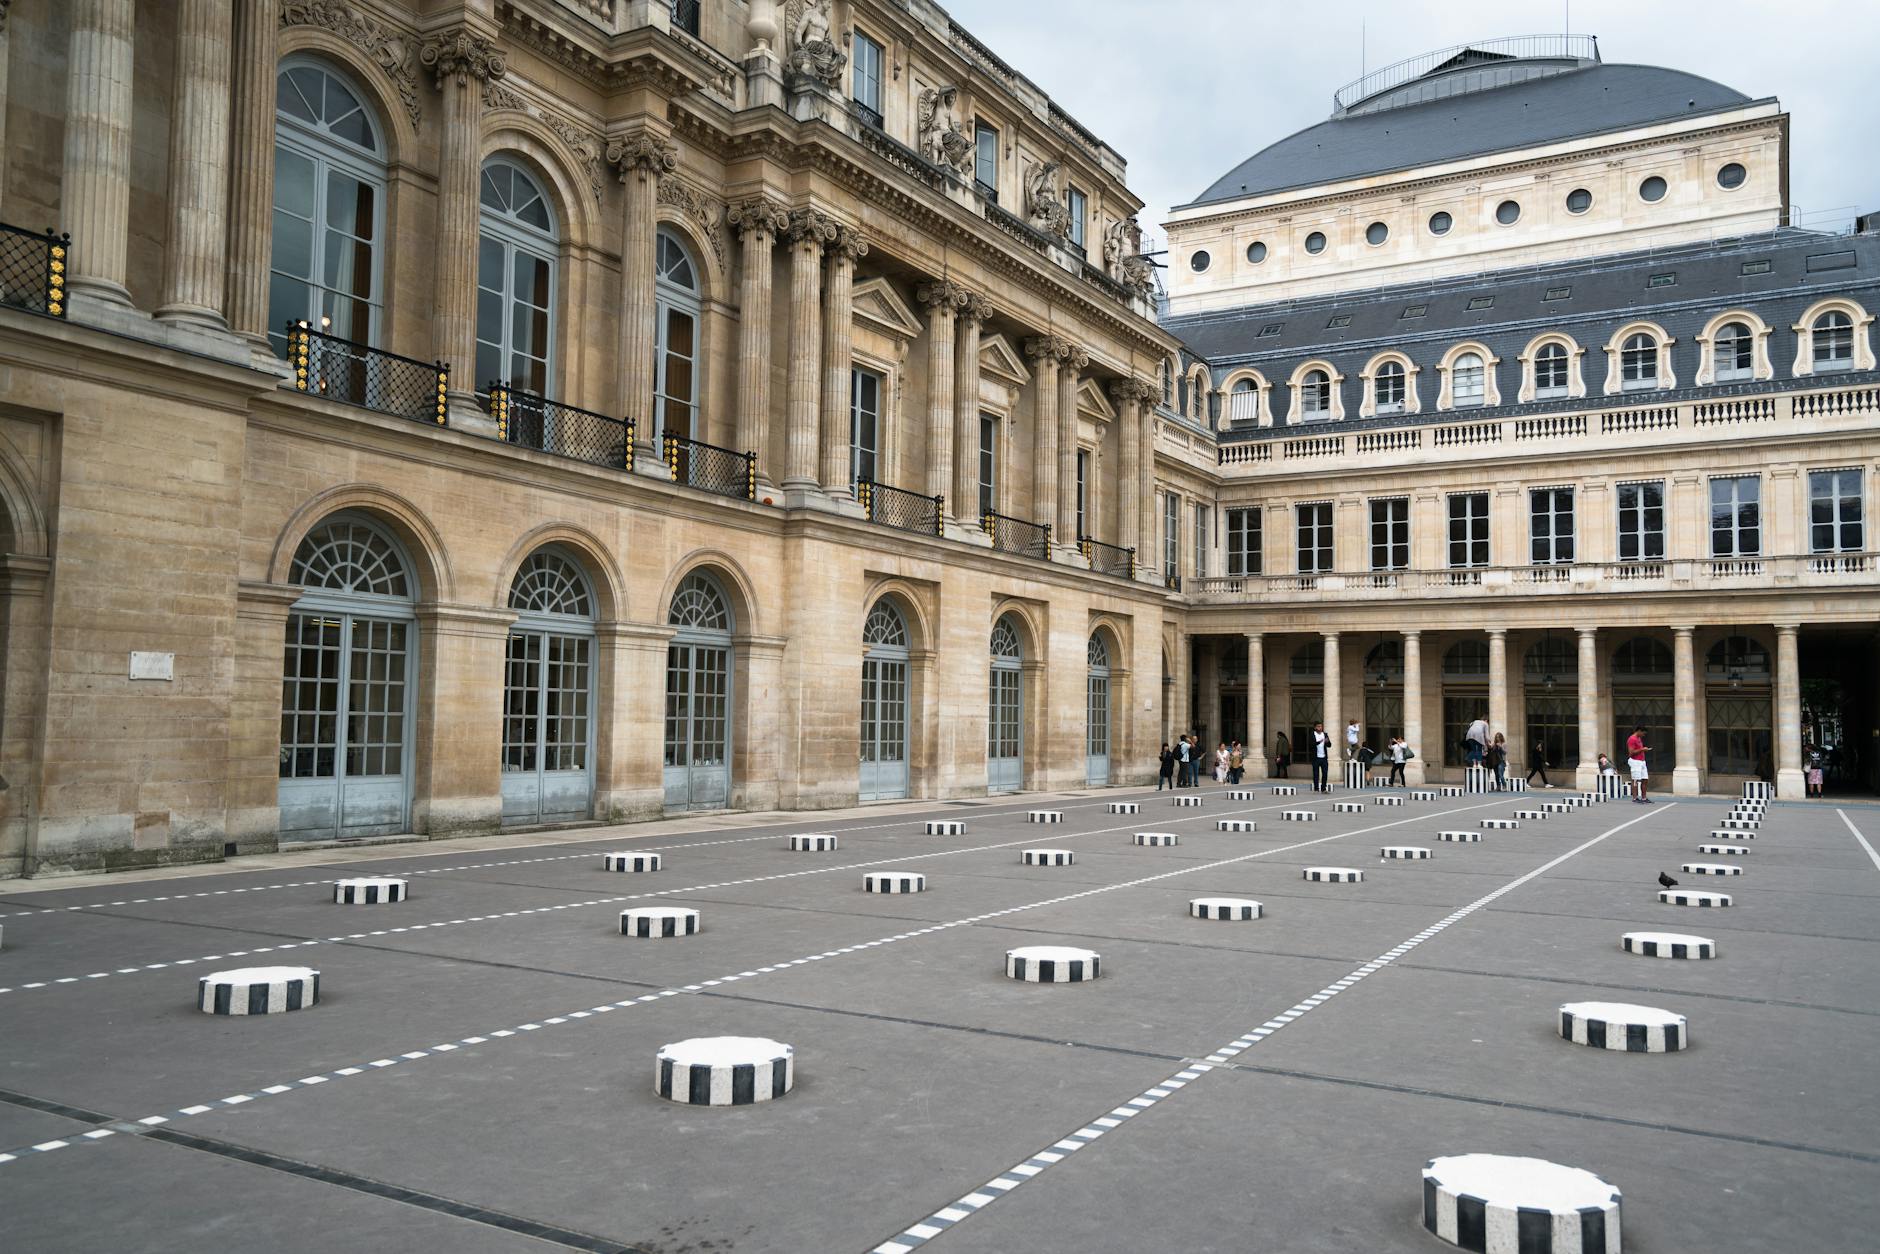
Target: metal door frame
x=1093 y=676
x=693 y=642
x=544 y=627
x=886 y=658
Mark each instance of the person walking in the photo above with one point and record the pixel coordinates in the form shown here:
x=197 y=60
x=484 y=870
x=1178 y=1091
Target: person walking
x=1537 y=763
x=1498 y=762
x=1475 y=741
x=1236 y=763
x=1635 y=751
x=1282 y=755
x=1399 y=754
x=1321 y=759
x=1165 y=778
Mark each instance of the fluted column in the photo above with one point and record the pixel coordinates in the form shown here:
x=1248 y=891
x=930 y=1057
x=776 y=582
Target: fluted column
x=1788 y=720
x=462 y=62
x=758 y=222
x=3 y=86
x=195 y=259
x=810 y=233
x=967 y=321
x=641 y=158
x=95 y=194
x=942 y=301
x=1070 y=368
x=1684 y=777
x=838 y=360
x=1588 y=772
x=1128 y=532
x=1332 y=706
x=1147 y=560
x=1413 y=770
x=1254 y=747
x=1045 y=355
x=1497 y=682
x=251 y=169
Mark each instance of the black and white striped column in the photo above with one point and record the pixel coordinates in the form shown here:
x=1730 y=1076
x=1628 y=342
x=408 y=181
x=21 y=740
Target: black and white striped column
x=1712 y=868
x=1047 y=857
x=1389 y=799
x=1334 y=875
x=1236 y=825
x=1052 y=964
x=1450 y=790
x=629 y=862
x=653 y=922
x=1624 y=1027
x=812 y=842
x=1044 y=816
x=1157 y=839
x=1536 y=815
x=1475 y=779
x=1724 y=833
x=1471 y=837
x=946 y=827
x=258 y=990
x=1499 y=1204
x=1187 y=799
x=1409 y=853
x=1500 y=825
x=370 y=891
x=1235 y=909
x=1285 y=790
x=1348 y=807
x=1354 y=774
x=1757 y=790
x=1241 y=794
x=1726 y=851
x=1422 y=794
x=1692 y=897
x=1611 y=787
x=894 y=882
x=1125 y=807
x=724 y=1070
x=1668 y=945
x=1298 y=816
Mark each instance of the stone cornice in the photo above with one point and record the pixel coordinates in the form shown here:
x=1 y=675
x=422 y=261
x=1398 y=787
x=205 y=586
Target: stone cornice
x=464 y=56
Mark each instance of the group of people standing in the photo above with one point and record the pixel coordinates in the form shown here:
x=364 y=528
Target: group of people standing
x=1183 y=763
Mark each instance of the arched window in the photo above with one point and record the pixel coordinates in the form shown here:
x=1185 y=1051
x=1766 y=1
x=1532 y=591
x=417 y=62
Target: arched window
x=1641 y=660
x=1315 y=396
x=1468 y=381
x=548 y=692
x=1383 y=665
x=676 y=352
x=1243 y=403
x=1097 y=712
x=516 y=276
x=1737 y=659
x=1834 y=341
x=1467 y=659
x=1005 y=768
x=1308 y=661
x=549 y=583
x=1735 y=349
x=884 y=704
x=1552 y=371
x=1552 y=662
x=1638 y=362
x=1387 y=388
x=698 y=696
x=329 y=207
x=1168 y=384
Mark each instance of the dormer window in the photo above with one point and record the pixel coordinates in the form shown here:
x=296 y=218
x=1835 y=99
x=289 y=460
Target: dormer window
x=1315 y=396
x=1388 y=388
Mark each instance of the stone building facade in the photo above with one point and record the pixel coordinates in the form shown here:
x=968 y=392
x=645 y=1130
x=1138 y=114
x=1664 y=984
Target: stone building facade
x=446 y=416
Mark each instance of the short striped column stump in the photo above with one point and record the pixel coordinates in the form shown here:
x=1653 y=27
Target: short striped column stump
x=1500 y=1204
x=1241 y=794
x=258 y=991
x=812 y=842
x=1499 y=825
x=1052 y=964
x=1726 y=834
x=1348 y=807
x=1285 y=790
x=1608 y=787
x=1236 y=825
x=1475 y=778
x=653 y=922
x=1742 y=825
x=1157 y=838
x=1757 y=790
x=1354 y=775
x=629 y=862
x=1530 y=814
x=1047 y=857
x=373 y=891
x=1389 y=801
x=1748 y=812
x=1044 y=816
x=1451 y=790
x=1712 y=868
x=1334 y=875
x=1298 y=816
x=1581 y=802
x=1125 y=807
x=1422 y=794
x=1233 y=909
x=946 y=827
x=1407 y=852
x=1692 y=897
x=1624 y=1027
x=894 y=882
x=1726 y=851
x=1188 y=801
x=724 y=1070
x=1471 y=837
x=1668 y=945
x=1557 y=807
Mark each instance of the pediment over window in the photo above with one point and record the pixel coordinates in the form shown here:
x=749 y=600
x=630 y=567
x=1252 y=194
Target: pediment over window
x=997 y=359
x=1092 y=402
x=876 y=305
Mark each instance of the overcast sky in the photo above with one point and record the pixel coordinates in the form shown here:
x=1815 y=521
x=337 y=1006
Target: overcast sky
x=1186 y=89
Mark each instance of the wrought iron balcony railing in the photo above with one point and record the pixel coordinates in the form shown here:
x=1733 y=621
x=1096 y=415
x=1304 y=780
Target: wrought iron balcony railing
x=32 y=270
x=531 y=421
x=710 y=468
x=903 y=510
x=1016 y=535
x=371 y=378
x=1107 y=559
x=685 y=16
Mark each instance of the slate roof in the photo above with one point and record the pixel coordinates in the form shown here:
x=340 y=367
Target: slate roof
x=1592 y=100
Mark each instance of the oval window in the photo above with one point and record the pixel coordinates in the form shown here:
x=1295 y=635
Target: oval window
x=1652 y=189
x=1376 y=233
x=1199 y=261
x=1440 y=223
x=1579 y=200
x=1732 y=176
x=1315 y=242
x=1508 y=212
x=1256 y=252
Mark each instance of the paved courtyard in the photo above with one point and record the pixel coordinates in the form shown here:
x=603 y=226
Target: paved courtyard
x=478 y=1073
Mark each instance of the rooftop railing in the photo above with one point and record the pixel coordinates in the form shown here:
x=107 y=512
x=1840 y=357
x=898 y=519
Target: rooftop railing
x=530 y=421
x=371 y=378
x=721 y=471
x=1574 y=47
x=889 y=506
x=32 y=270
x=1017 y=535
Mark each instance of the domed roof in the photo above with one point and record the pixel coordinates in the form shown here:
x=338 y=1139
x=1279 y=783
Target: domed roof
x=1404 y=128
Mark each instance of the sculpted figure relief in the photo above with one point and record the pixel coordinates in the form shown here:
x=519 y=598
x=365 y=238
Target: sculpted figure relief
x=1043 y=202
x=941 y=139
x=814 y=57
x=1123 y=259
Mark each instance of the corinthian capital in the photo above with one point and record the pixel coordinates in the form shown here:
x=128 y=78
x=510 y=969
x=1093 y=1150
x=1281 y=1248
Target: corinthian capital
x=642 y=153
x=941 y=294
x=759 y=213
x=464 y=56
x=813 y=226
x=975 y=308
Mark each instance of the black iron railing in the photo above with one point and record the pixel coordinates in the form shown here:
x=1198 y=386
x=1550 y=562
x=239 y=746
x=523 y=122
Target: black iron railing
x=1107 y=559
x=901 y=509
x=685 y=16
x=32 y=270
x=1016 y=535
x=532 y=421
x=710 y=468
x=371 y=378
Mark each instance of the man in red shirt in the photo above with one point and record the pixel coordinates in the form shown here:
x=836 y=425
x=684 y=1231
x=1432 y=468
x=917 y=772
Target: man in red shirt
x=1635 y=751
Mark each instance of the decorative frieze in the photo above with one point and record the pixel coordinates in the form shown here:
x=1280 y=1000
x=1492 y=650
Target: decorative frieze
x=707 y=211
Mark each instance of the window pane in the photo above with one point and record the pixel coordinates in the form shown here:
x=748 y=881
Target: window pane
x=293 y=183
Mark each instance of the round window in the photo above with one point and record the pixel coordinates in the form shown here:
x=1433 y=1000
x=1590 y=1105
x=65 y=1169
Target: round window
x=1440 y=223
x=1652 y=189
x=1256 y=252
x=1315 y=242
x=1579 y=200
x=1376 y=233
x=1199 y=260
x=1732 y=176
x=1508 y=212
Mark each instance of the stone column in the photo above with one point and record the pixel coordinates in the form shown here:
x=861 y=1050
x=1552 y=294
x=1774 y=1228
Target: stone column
x=96 y=181
x=1128 y=530
x=251 y=160
x=1684 y=776
x=194 y=263
x=810 y=233
x=838 y=360
x=1255 y=747
x=1148 y=561
x=641 y=158
x=942 y=301
x=964 y=500
x=1588 y=771
x=1497 y=682
x=1788 y=755
x=1331 y=710
x=4 y=49
x=1070 y=373
x=758 y=222
x=1045 y=352
x=1414 y=770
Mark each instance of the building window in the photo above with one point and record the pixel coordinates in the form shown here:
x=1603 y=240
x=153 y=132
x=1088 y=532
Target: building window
x=1315 y=243
x=1550 y=526
x=1642 y=521
x=1440 y=223
x=1557 y=293
x=1376 y=233
x=1256 y=252
x=1508 y=212
x=1390 y=534
x=1078 y=206
x=329 y=208
x=1244 y=544
x=986 y=161
x=1204 y=539
x=676 y=351
x=1736 y=516
x=1652 y=190
x=1550 y=371
x=516 y=254
x=1243 y=403
x=1337 y=322
x=1638 y=362
x=866 y=81
x=1834 y=511
x=1735 y=349
x=1171 y=538
x=1315 y=537
x=1468 y=381
x=1083 y=493
x=1388 y=388
x=1199 y=260
x=1579 y=200
x=1732 y=176
x=1315 y=396
x=1834 y=341
x=988 y=463
x=1468 y=530
x=864 y=423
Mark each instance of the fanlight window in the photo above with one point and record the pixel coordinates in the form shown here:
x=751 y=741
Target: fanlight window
x=671 y=265
x=884 y=627
x=1641 y=656
x=511 y=193
x=1552 y=657
x=1005 y=640
x=1737 y=658
x=1309 y=661
x=347 y=555
x=1468 y=659
x=700 y=605
x=549 y=583
x=322 y=101
x=1099 y=653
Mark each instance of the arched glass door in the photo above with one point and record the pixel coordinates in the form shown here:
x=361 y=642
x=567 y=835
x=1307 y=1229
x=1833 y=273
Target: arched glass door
x=345 y=686
x=548 y=687
x=1005 y=742
x=1097 y=708
x=698 y=697
x=884 y=704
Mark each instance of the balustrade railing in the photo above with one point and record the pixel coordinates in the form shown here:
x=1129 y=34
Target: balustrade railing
x=531 y=421
x=32 y=270
x=900 y=509
x=1107 y=559
x=371 y=378
x=710 y=468
x=1017 y=535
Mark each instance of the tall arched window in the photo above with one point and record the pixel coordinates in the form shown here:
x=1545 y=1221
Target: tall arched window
x=1643 y=695
x=676 y=352
x=1315 y=396
x=1005 y=710
x=516 y=275
x=1638 y=362
x=884 y=703
x=548 y=692
x=1735 y=349
x=1551 y=371
x=1097 y=712
x=1465 y=694
x=698 y=696
x=1388 y=388
x=1468 y=381
x=1834 y=341
x=329 y=207
x=1243 y=403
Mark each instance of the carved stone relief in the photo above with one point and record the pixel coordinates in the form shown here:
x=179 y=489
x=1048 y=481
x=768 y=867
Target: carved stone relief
x=942 y=141
x=389 y=49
